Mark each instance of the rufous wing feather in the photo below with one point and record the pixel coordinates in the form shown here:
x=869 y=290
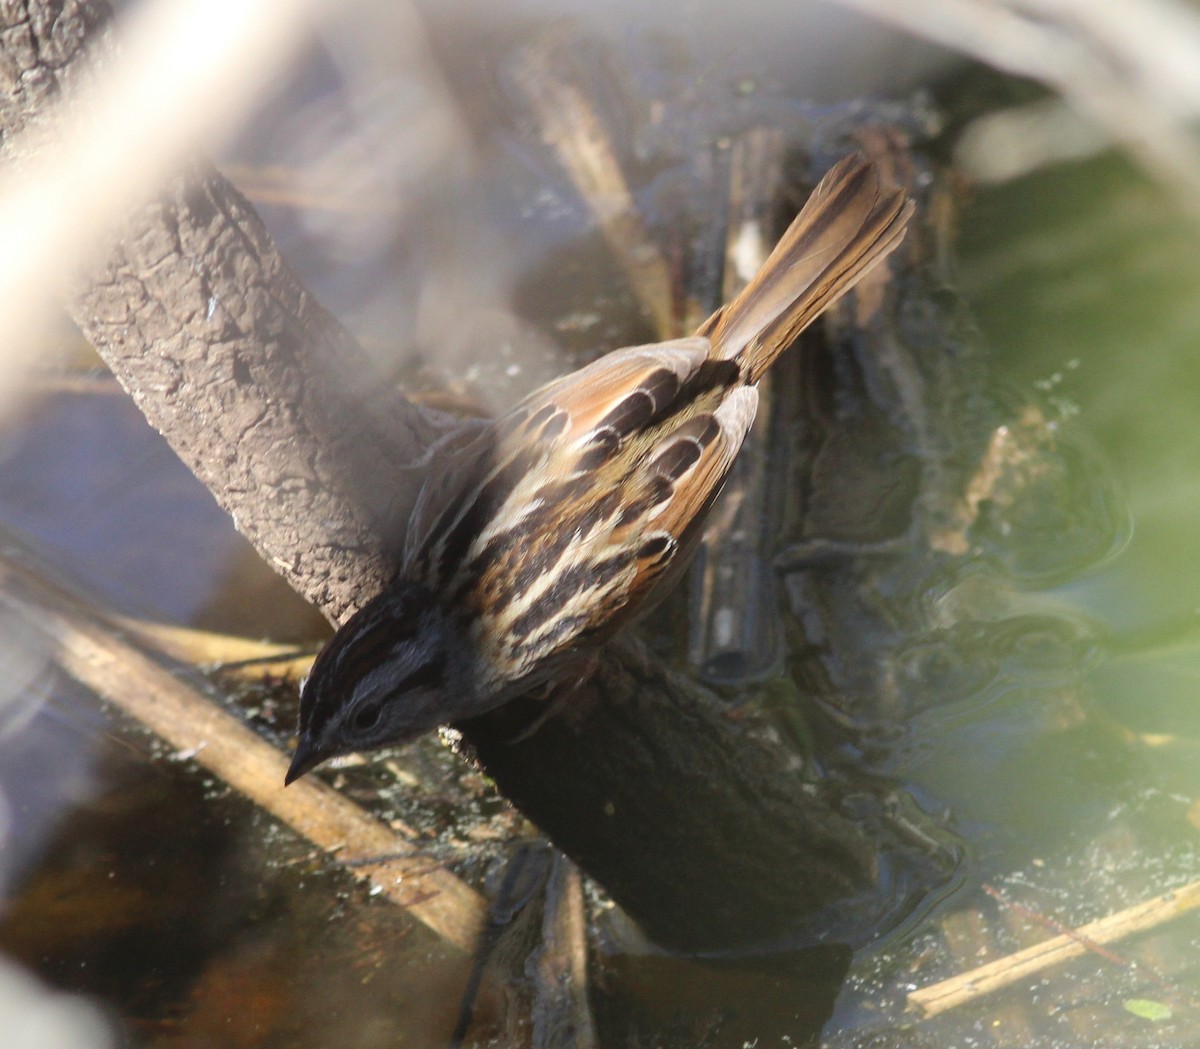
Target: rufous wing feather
x=696 y=459
x=617 y=394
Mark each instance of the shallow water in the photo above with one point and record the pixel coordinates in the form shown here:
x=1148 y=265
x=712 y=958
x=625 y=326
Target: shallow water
x=1050 y=725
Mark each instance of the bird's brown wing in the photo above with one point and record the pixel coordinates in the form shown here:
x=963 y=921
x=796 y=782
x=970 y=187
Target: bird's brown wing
x=558 y=521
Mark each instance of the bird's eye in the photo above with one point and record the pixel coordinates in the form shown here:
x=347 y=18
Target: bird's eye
x=367 y=717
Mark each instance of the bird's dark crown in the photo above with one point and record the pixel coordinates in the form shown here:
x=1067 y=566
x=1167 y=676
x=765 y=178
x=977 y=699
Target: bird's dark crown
x=381 y=679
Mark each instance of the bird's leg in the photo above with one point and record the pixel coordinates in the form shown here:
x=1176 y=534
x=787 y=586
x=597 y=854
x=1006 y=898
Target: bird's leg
x=557 y=692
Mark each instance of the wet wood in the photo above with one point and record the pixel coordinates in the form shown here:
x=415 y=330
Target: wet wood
x=707 y=830
x=967 y=938
x=571 y=128
x=562 y=1015
x=975 y=984
x=160 y=697
x=734 y=630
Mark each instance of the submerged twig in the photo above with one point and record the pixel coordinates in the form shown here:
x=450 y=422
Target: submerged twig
x=283 y=187
x=731 y=632
x=562 y=1015
x=1015 y=458
x=1054 y=925
x=571 y=128
x=161 y=699
x=968 y=986
x=224 y=652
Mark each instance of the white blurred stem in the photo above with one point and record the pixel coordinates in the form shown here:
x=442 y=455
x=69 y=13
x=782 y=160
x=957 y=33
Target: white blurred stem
x=1131 y=67
x=189 y=71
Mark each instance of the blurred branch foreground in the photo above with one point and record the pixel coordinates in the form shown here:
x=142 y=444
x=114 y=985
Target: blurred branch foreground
x=708 y=833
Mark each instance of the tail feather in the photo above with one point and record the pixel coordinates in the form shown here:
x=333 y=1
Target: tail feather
x=848 y=226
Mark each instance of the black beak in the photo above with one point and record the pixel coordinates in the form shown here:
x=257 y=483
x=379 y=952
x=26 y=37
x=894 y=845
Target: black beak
x=306 y=758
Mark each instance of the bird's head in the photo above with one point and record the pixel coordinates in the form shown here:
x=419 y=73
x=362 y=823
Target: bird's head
x=391 y=673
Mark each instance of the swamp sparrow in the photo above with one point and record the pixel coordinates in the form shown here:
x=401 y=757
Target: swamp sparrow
x=560 y=522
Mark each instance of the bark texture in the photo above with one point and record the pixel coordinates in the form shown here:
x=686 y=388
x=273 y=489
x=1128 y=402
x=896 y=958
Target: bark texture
x=261 y=392
x=710 y=831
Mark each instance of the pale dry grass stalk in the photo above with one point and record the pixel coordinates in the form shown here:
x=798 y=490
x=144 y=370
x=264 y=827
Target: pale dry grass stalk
x=1131 y=68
